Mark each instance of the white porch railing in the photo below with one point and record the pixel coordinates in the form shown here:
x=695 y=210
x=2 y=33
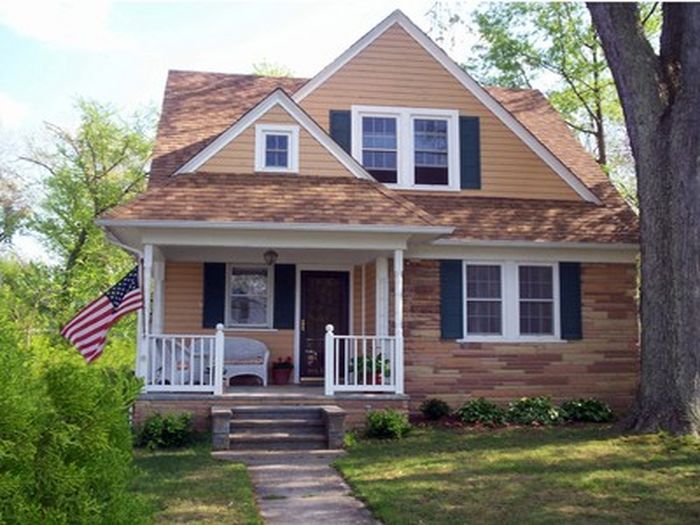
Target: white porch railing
x=184 y=363
x=360 y=363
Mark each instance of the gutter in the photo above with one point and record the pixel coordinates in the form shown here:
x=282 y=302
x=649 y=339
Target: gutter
x=536 y=244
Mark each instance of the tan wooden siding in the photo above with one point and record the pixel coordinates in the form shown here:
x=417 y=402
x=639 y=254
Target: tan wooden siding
x=604 y=364
x=239 y=155
x=396 y=71
x=183 y=309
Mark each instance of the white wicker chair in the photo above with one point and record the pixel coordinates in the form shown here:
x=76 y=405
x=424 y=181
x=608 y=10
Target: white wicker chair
x=243 y=356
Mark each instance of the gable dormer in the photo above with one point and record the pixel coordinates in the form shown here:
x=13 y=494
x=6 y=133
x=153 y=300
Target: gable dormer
x=416 y=121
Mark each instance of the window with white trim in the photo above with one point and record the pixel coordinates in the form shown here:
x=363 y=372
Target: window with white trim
x=414 y=148
x=248 y=296
x=511 y=301
x=484 y=307
x=536 y=295
x=277 y=148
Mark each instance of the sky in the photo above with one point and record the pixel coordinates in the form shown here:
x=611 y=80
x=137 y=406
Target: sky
x=53 y=51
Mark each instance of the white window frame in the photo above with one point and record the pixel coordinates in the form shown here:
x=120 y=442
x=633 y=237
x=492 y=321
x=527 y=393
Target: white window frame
x=489 y=337
x=510 y=294
x=292 y=132
x=405 y=161
x=270 y=294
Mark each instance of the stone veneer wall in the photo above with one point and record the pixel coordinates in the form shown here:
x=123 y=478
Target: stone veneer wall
x=604 y=364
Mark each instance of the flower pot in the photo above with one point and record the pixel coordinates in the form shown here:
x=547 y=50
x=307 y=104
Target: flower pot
x=280 y=376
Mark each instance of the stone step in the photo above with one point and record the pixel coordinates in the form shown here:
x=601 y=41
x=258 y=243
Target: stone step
x=276 y=412
x=277 y=440
x=274 y=423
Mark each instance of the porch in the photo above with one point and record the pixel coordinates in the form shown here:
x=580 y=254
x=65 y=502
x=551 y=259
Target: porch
x=339 y=322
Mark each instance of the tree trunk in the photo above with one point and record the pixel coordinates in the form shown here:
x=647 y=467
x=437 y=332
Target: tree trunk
x=661 y=100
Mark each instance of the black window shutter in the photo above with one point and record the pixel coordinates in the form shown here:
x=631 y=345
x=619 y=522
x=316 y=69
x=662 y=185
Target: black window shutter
x=285 y=282
x=451 y=307
x=570 y=300
x=214 y=300
x=469 y=153
x=340 y=128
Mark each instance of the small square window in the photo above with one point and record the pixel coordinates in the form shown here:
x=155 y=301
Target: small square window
x=277 y=148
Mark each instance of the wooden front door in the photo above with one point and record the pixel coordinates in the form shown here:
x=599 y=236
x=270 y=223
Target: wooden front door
x=325 y=299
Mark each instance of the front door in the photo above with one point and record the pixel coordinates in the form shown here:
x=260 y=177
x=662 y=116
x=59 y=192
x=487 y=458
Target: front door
x=325 y=299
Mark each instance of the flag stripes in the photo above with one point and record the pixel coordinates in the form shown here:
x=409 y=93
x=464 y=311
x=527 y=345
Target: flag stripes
x=87 y=331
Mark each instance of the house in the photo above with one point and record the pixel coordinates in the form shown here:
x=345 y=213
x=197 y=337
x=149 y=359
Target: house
x=396 y=229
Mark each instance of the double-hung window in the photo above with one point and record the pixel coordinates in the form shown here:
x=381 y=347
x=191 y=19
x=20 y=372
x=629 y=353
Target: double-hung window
x=379 y=147
x=511 y=301
x=412 y=148
x=248 y=297
x=277 y=148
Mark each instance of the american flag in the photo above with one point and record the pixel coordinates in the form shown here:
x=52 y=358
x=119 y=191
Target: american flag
x=87 y=331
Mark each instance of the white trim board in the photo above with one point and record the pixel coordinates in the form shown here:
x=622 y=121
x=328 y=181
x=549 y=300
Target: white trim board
x=277 y=98
x=397 y=17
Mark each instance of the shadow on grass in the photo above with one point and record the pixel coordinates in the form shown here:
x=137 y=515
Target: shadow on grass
x=187 y=485
x=573 y=475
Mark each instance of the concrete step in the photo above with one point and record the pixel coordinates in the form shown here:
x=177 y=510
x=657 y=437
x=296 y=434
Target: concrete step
x=277 y=440
x=273 y=423
x=276 y=412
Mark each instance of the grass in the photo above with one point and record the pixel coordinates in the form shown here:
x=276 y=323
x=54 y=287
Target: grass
x=543 y=476
x=188 y=486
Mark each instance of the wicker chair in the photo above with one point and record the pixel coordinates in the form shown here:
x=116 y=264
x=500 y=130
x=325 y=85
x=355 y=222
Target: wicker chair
x=243 y=356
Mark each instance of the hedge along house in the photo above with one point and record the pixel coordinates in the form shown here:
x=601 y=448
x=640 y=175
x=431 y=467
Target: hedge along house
x=393 y=227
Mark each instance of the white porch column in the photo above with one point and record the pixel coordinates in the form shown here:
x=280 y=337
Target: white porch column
x=145 y=314
x=398 y=318
x=158 y=294
x=382 y=296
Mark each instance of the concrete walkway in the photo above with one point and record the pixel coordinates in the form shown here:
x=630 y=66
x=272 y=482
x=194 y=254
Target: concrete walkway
x=300 y=487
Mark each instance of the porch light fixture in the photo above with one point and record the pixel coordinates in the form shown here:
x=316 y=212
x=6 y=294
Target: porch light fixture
x=270 y=257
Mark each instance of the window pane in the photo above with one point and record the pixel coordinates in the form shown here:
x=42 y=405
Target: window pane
x=484 y=282
x=536 y=318
x=430 y=151
x=379 y=146
x=535 y=282
x=249 y=310
x=484 y=317
x=249 y=281
x=276 y=151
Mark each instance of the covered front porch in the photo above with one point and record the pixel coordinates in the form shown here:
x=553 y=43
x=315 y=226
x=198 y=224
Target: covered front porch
x=334 y=312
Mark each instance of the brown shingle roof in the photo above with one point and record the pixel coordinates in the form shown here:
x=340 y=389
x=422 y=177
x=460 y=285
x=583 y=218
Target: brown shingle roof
x=198 y=106
x=479 y=218
x=273 y=198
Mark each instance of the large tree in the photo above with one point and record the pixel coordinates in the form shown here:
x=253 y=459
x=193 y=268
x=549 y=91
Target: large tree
x=660 y=95
x=87 y=171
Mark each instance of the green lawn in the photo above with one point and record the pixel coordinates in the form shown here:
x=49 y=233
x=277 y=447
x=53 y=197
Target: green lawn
x=558 y=475
x=188 y=486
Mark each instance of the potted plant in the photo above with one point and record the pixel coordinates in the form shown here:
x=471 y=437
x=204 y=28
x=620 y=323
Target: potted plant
x=376 y=367
x=281 y=370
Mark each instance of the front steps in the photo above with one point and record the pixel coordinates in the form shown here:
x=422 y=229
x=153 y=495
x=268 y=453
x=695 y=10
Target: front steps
x=280 y=427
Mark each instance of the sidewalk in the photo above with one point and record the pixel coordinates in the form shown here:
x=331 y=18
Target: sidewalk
x=300 y=487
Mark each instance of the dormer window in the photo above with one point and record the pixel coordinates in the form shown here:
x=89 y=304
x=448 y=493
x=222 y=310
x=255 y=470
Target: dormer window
x=411 y=148
x=277 y=148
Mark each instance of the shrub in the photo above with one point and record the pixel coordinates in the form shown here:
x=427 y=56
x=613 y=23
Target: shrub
x=434 y=409
x=387 y=424
x=166 y=431
x=65 y=443
x=533 y=411
x=483 y=412
x=586 y=411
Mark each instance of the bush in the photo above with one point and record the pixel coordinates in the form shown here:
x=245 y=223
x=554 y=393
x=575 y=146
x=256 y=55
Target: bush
x=65 y=443
x=482 y=412
x=387 y=424
x=586 y=411
x=166 y=431
x=533 y=411
x=434 y=409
